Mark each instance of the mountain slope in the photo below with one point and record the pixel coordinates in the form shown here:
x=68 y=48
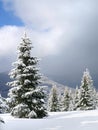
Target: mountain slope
x=45 y=81
x=4 y=78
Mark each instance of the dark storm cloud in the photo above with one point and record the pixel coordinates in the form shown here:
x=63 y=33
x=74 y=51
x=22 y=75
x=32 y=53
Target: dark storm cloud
x=81 y=51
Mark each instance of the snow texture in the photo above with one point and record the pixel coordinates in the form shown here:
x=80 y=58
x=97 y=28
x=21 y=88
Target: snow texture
x=74 y=120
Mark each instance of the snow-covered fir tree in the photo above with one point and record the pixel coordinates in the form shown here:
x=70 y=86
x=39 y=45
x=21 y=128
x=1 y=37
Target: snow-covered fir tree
x=76 y=98
x=3 y=105
x=26 y=98
x=53 y=101
x=60 y=97
x=67 y=100
x=87 y=97
x=96 y=100
x=71 y=106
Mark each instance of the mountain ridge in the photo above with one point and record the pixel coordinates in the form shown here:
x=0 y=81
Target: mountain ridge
x=45 y=81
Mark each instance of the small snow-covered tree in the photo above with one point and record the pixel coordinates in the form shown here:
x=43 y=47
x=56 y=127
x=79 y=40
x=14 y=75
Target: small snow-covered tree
x=53 y=101
x=96 y=100
x=76 y=98
x=3 y=105
x=87 y=93
x=71 y=106
x=60 y=100
x=67 y=100
x=25 y=98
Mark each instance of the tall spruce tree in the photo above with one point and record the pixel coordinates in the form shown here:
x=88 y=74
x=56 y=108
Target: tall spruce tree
x=26 y=98
x=53 y=101
x=87 y=93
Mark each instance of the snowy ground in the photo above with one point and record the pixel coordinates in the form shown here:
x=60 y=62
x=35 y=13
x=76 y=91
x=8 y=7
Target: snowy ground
x=82 y=120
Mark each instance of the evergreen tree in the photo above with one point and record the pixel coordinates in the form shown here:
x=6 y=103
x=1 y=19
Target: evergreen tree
x=60 y=97
x=71 y=105
x=67 y=100
x=87 y=93
x=96 y=100
x=53 y=102
x=25 y=98
x=76 y=98
x=3 y=105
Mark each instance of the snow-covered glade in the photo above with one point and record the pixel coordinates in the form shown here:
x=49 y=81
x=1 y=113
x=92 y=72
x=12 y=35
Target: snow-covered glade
x=26 y=98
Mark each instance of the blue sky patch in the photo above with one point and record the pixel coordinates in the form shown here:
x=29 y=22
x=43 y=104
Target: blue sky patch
x=8 y=18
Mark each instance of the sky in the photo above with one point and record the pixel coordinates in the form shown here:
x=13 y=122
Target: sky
x=64 y=34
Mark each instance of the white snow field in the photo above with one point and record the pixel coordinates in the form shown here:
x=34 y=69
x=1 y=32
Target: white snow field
x=75 y=120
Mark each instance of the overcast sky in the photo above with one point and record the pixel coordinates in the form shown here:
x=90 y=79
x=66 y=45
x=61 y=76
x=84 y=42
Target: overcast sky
x=64 y=34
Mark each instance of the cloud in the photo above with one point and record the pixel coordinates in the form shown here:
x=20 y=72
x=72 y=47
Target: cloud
x=9 y=37
x=53 y=21
x=63 y=32
x=42 y=14
x=67 y=18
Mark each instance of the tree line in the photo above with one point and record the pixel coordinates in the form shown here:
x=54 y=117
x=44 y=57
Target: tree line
x=27 y=98
x=84 y=97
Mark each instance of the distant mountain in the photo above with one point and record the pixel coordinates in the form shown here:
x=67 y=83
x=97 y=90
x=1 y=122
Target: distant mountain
x=48 y=82
x=45 y=81
x=4 y=78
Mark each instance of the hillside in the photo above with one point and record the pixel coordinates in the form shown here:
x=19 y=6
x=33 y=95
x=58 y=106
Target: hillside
x=4 y=78
x=45 y=81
